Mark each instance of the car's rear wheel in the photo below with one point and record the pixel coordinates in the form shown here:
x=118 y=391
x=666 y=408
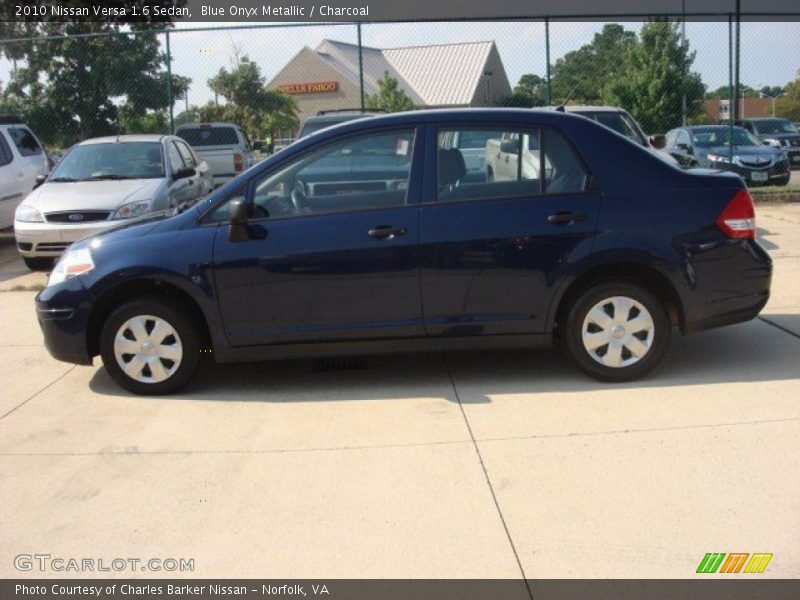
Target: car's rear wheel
x=38 y=263
x=149 y=347
x=616 y=331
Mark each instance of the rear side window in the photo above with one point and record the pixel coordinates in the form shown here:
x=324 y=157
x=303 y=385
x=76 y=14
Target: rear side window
x=5 y=152
x=24 y=141
x=507 y=164
x=209 y=136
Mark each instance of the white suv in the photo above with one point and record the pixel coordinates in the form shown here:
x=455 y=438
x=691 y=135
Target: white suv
x=22 y=159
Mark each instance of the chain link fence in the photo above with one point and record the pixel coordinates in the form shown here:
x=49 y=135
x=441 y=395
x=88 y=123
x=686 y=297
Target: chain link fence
x=70 y=83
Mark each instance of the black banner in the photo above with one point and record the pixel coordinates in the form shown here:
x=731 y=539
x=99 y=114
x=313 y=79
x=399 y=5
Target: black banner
x=734 y=588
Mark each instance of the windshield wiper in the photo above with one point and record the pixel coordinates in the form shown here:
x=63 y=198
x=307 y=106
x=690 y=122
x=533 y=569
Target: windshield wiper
x=63 y=179
x=109 y=176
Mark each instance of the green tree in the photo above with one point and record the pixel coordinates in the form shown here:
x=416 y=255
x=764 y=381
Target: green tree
x=531 y=90
x=745 y=91
x=579 y=76
x=788 y=106
x=390 y=96
x=773 y=91
x=248 y=102
x=72 y=88
x=654 y=79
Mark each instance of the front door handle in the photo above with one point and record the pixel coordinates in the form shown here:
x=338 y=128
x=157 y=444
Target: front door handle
x=565 y=217
x=386 y=232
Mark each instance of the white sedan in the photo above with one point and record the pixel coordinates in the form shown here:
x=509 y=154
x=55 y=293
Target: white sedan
x=102 y=181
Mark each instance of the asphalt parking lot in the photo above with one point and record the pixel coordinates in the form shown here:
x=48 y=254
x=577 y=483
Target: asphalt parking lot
x=477 y=465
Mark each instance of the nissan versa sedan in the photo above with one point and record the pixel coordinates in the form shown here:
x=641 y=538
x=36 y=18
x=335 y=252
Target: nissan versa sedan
x=101 y=182
x=709 y=146
x=366 y=238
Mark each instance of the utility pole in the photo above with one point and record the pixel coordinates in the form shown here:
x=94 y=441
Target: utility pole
x=737 y=112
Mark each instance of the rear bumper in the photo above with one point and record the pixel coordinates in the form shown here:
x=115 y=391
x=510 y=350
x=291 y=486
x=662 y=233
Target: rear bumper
x=728 y=284
x=63 y=314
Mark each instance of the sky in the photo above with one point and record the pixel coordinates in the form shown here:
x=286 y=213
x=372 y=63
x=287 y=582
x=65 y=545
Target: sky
x=770 y=50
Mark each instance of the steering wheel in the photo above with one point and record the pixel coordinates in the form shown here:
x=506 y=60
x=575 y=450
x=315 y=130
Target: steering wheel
x=299 y=194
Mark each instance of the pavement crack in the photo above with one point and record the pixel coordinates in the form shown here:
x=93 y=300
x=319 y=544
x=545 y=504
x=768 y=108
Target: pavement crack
x=643 y=430
x=486 y=476
x=31 y=397
x=776 y=326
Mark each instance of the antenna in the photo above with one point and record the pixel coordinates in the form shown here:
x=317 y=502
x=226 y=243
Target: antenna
x=561 y=106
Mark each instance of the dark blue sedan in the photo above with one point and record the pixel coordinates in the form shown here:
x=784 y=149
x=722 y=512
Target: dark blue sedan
x=368 y=237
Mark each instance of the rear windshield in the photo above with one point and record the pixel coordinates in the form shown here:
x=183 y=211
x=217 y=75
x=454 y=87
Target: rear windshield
x=209 y=136
x=774 y=126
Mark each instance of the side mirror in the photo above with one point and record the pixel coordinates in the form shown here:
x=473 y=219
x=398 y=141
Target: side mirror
x=184 y=173
x=658 y=141
x=509 y=146
x=239 y=212
x=40 y=179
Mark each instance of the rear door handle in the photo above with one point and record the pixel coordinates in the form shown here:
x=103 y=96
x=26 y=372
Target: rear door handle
x=386 y=232
x=564 y=218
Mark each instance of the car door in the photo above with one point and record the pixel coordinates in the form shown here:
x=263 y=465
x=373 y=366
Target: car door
x=32 y=157
x=331 y=246
x=180 y=190
x=200 y=182
x=12 y=181
x=491 y=252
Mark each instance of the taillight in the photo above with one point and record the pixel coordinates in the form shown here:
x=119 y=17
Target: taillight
x=738 y=220
x=238 y=163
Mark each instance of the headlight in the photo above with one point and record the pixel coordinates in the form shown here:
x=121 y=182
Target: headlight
x=132 y=209
x=719 y=158
x=71 y=264
x=772 y=142
x=28 y=214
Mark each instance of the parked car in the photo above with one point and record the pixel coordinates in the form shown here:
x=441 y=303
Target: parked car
x=620 y=120
x=329 y=118
x=224 y=146
x=102 y=182
x=708 y=146
x=503 y=157
x=22 y=160
x=778 y=133
x=268 y=267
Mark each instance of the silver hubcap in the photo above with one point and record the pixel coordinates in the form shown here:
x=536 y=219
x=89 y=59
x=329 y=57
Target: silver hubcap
x=148 y=349
x=618 y=332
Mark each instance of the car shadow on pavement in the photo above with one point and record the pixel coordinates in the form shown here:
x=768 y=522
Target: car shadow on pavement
x=751 y=352
x=762 y=234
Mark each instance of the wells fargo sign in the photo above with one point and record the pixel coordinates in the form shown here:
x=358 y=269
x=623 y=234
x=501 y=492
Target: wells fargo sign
x=317 y=87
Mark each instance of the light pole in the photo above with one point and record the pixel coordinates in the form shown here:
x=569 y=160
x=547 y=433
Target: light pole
x=773 y=98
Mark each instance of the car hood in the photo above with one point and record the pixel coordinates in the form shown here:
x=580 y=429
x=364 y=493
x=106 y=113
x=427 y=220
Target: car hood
x=91 y=195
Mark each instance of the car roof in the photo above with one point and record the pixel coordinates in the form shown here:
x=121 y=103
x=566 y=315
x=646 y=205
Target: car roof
x=588 y=108
x=207 y=125
x=338 y=117
x=134 y=137
x=709 y=127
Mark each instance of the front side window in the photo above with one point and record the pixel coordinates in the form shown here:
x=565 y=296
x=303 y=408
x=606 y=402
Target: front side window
x=5 y=152
x=123 y=160
x=366 y=172
x=24 y=141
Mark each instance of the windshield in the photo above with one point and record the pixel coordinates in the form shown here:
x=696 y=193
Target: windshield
x=120 y=160
x=209 y=136
x=774 y=126
x=705 y=138
x=619 y=122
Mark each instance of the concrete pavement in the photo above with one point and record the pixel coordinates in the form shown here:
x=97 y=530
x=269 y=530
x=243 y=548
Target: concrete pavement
x=493 y=464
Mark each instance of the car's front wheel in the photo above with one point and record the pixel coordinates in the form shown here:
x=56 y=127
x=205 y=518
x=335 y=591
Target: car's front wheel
x=616 y=331
x=149 y=347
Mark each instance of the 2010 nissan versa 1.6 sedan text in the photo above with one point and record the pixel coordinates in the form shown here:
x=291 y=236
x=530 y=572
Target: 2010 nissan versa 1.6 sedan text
x=373 y=237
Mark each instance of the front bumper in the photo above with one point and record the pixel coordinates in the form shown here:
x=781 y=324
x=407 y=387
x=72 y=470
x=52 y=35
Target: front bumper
x=63 y=313
x=770 y=174
x=51 y=239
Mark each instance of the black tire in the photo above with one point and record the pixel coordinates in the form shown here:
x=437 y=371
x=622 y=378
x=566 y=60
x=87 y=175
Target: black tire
x=658 y=337
x=175 y=316
x=38 y=263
